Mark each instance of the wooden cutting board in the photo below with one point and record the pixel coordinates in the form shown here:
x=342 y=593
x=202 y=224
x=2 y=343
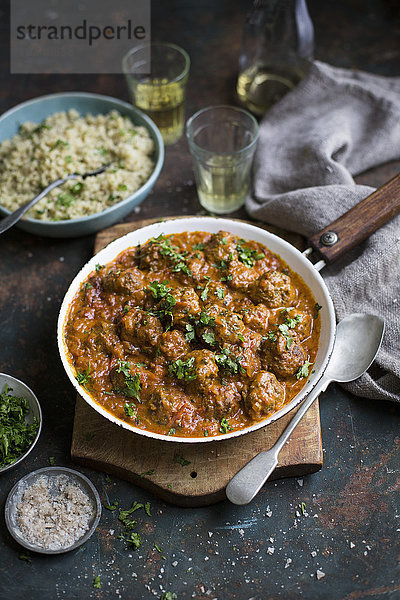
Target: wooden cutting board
x=188 y=474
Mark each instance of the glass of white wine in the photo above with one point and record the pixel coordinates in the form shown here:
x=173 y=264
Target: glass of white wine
x=156 y=74
x=222 y=140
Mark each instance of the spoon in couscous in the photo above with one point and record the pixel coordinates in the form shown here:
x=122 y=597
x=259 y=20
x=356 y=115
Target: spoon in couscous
x=19 y=213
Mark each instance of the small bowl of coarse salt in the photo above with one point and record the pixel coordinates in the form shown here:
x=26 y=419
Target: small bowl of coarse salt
x=52 y=510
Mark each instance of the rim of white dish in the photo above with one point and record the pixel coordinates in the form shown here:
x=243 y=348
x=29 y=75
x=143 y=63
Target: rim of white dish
x=211 y=225
x=147 y=184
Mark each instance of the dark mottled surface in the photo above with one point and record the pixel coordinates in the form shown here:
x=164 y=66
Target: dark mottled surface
x=351 y=527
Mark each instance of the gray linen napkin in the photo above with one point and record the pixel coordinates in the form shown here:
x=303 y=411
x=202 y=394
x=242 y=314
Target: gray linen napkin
x=336 y=124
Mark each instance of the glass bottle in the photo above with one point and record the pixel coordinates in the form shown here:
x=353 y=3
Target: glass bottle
x=278 y=45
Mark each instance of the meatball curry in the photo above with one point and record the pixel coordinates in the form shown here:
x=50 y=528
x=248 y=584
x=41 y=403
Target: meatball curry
x=193 y=334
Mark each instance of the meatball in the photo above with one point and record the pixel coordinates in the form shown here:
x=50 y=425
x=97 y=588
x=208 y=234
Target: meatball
x=205 y=368
x=162 y=406
x=187 y=306
x=241 y=277
x=257 y=318
x=103 y=337
x=150 y=257
x=216 y=293
x=282 y=354
x=141 y=329
x=197 y=266
x=173 y=345
x=274 y=289
x=126 y=283
x=219 y=401
x=265 y=395
x=226 y=326
x=220 y=247
x=299 y=322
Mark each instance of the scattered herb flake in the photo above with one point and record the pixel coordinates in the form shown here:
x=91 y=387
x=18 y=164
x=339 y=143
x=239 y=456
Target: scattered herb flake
x=284 y=329
x=84 y=377
x=317 y=309
x=147 y=509
x=112 y=506
x=96 y=582
x=26 y=557
x=248 y=256
x=183 y=369
x=208 y=337
x=150 y=472
x=52 y=461
x=304 y=370
x=181 y=461
x=224 y=426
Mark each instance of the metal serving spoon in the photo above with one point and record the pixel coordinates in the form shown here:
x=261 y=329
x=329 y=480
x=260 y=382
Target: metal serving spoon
x=10 y=220
x=358 y=339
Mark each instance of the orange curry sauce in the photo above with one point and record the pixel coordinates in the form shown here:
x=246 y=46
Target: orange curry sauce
x=193 y=334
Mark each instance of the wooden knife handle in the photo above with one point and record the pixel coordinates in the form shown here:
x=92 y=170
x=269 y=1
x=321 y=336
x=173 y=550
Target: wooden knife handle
x=359 y=222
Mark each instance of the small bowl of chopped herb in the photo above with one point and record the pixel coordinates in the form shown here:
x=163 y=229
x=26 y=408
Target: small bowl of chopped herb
x=20 y=421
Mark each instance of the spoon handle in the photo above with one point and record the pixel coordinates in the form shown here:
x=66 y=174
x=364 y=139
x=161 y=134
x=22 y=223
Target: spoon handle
x=10 y=220
x=247 y=482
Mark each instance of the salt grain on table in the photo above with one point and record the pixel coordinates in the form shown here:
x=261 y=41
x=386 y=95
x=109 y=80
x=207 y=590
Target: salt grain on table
x=54 y=521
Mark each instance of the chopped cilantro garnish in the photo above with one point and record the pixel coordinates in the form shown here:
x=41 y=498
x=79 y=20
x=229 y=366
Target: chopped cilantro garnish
x=172 y=253
x=292 y=322
x=26 y=557
x=224 y=361
x=224 y=426
x=98 y=267
x=190 y=332
x=130 y=409
x=183 y=369
x=304 y=370
x=208 y=337
x=77 y=187
x=205 y=433
x=96 y=582
x=159 y=290
x=180 y=460
x=132 y=384
x=172 y=431
x=84 y=377
x=205 y=319
x=150 y=472
x=87 y=285
x=168 y=596
x=317 y=309
x=133 y=539
x=248 y=256
x=198 y=246
x=285 y=331
x=204 y=293
x=220 y=293
x=59 y=143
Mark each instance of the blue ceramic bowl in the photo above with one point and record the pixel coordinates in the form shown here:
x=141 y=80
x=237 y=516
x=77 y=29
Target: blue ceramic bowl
x=37 y=110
